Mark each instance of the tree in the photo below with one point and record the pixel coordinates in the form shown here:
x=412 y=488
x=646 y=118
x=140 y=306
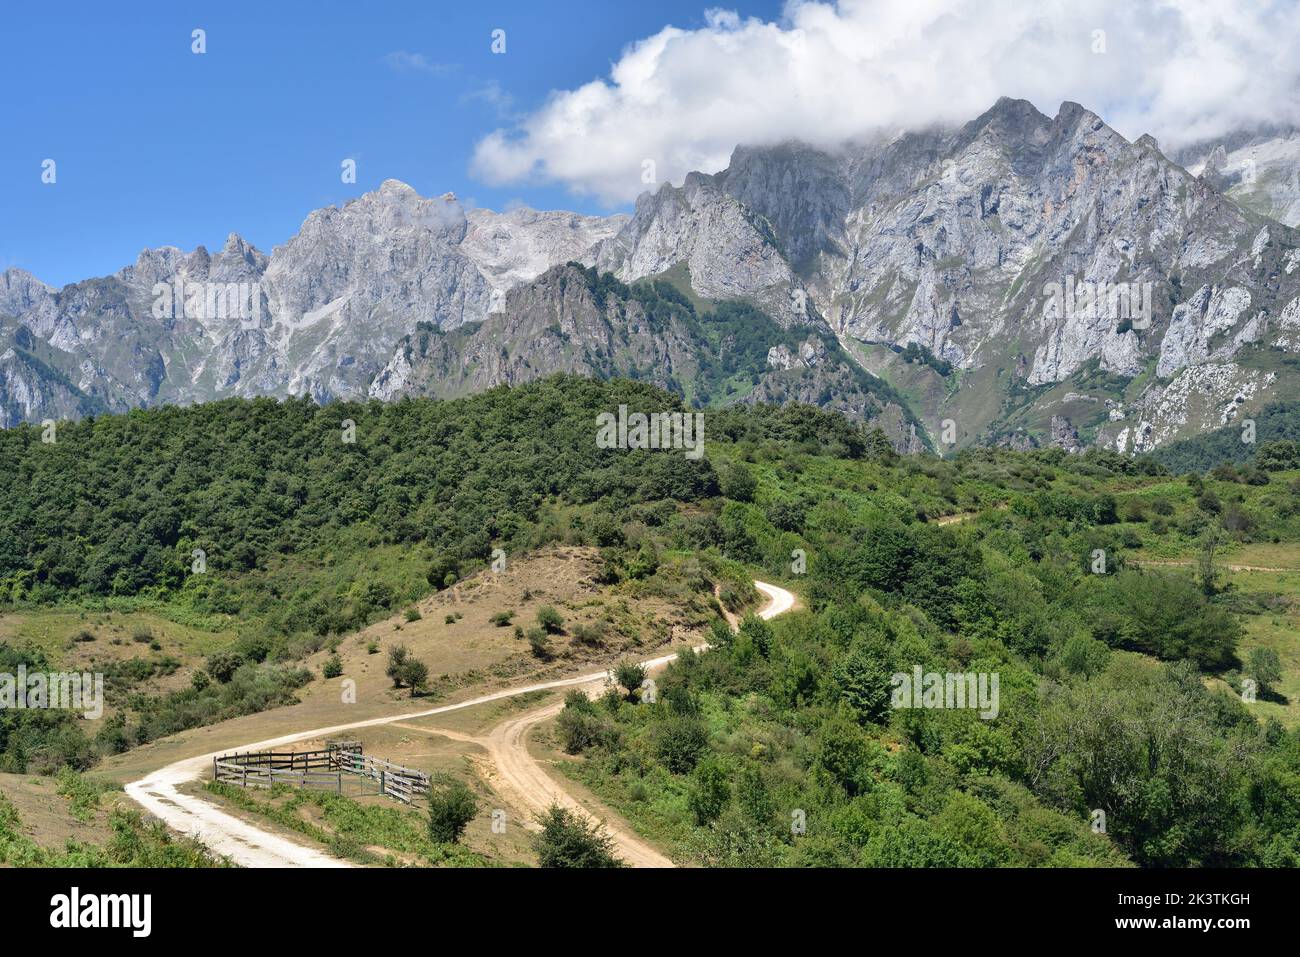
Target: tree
x=223 y=665
x=581 y=727
x=738 y=483
x=539 y=644
x=550 y=619
x=759 y=633
x=568 y=840
x=395 y=671
x=680 y=742
x=709 y=792
x=415 y=675
x=1265 y=666
x=451 y=808
x=630 y=676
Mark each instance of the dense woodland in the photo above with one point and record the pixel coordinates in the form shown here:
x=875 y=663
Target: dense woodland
x=1104 y=668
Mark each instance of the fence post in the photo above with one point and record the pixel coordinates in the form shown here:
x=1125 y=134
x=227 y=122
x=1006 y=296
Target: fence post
x=381 y=782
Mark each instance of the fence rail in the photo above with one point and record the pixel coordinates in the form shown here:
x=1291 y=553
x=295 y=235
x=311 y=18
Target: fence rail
x=341 y=767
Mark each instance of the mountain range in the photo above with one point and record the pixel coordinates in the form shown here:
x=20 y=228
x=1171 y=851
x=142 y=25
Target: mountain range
x=1022 y=279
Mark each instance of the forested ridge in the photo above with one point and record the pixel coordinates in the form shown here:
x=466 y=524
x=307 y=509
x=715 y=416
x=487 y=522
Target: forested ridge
x=1118 y=680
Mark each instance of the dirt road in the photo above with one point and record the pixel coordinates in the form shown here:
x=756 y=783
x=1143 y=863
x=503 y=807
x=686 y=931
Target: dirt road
x=250 y=846
x=521 y=776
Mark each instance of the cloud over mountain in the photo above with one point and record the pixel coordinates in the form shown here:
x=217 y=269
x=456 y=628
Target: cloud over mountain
x=681 y=100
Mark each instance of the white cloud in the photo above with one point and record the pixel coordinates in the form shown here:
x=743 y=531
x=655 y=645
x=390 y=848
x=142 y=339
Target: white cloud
x=830 y=71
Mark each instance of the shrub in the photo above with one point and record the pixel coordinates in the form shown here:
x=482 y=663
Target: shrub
x=413 y=614
x=539 y=643
x=502 y=618
x=709 y=793
x=592 y=634
x=550 y=619
x=415 y=675
x=581 y=727
x=142 y=634
x=630 y=676
x=567 y=840
x=451 y=808
x=1265 y=666
x=680 y=743
x=223 y=664
x=333 y=666
x=397 y=658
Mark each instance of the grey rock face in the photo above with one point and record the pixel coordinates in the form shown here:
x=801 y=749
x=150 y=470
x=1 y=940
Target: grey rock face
x=1038 y=264
x=959 y=240
x=1259 y=169
x=562 y=323
x=321 y=314
x=728 y=251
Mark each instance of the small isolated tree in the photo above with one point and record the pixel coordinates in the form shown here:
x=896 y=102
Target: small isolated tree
x=333 y=666
x=567 y=840
x=550 y=619
x=539 y=643
x=451 y=808
x=630 y=677
x=415 y=675
x=397 y=657
x=1265 y=666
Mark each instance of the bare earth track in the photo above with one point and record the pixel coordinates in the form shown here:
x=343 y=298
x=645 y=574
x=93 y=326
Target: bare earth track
x=507 y=745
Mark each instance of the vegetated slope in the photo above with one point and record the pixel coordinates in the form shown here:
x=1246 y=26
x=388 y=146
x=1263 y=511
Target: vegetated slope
x=305 y=535
x=1276 y=432
x=783 y=747
x=1101 y=666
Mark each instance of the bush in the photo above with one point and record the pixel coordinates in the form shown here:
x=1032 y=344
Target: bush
x=142 y=634
x=550 y=619
x=680 y=743
x=415 y=675
x=568 y=840
x=502 y=618
x=630 y=676
x=333 y=666
x=223 y=665
x=397 y=658
x=581 y=727
x=539 y=643
x=1265 y=666
x=590 y=634
x=738 y=483
x=451 y=808
x=413 y=614
x=709 y=793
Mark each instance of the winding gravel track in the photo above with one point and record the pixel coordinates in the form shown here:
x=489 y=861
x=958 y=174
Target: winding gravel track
x=250 y=846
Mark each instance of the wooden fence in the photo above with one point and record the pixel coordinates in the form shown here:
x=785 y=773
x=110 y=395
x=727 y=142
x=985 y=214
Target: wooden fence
x=340 y=767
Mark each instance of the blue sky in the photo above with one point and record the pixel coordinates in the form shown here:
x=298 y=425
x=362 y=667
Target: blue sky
x=155 y=145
